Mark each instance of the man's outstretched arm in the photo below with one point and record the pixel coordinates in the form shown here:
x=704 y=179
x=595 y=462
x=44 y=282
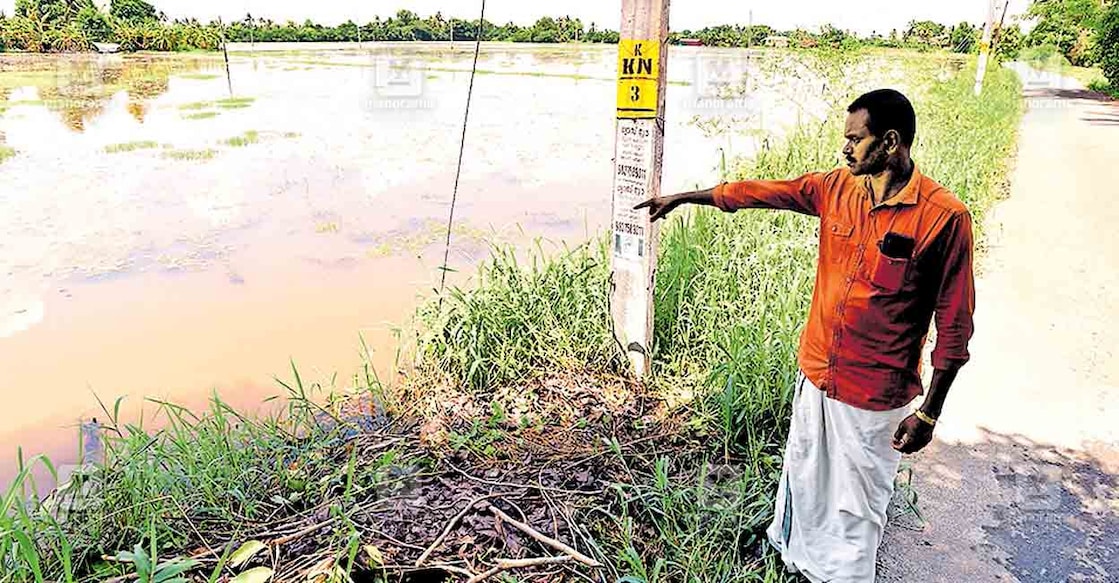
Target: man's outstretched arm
x=800 y=194
x=660 y=207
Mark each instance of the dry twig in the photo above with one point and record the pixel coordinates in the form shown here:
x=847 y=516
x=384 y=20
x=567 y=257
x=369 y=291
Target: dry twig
x=508 y=564
x=450 y=525
x=555 y=544
x=302 y=533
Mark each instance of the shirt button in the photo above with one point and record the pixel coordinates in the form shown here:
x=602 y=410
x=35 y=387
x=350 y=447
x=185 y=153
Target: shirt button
x=834 y=228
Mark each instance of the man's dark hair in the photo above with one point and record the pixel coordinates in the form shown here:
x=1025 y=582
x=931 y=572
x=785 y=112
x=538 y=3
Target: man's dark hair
x=888 y=110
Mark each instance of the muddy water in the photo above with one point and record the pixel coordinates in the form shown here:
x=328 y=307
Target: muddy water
x=192 y=264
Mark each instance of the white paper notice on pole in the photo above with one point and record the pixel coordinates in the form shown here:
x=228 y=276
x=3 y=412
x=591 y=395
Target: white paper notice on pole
x=633 y=166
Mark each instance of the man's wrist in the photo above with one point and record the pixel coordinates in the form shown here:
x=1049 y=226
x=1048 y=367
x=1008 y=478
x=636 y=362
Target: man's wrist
x=925 y=418
x=698 y=197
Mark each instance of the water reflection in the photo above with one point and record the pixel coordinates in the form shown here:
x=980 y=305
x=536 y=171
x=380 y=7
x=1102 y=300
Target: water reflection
x=79 y=87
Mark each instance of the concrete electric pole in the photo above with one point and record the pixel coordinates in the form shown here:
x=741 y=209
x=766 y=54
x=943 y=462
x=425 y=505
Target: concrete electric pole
x=985 y=48
x=638 y=152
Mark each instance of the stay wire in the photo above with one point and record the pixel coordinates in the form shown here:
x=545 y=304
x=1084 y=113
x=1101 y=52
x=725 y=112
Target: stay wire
x=461 y=149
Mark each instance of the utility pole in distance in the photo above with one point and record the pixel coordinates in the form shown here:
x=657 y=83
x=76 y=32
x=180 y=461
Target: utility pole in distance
x=985 y=48
x=638 y=153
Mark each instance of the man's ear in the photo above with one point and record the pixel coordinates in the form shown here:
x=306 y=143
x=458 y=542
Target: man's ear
x=892 y=141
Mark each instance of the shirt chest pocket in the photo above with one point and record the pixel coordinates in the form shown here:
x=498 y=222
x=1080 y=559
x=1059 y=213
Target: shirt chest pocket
x=888 y=274
x=839 y=241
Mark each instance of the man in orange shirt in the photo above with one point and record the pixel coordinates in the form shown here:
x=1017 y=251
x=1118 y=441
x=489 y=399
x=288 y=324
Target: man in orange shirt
x=895 y=252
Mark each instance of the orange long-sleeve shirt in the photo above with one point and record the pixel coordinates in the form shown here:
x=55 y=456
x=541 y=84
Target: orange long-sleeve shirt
x=870 y=314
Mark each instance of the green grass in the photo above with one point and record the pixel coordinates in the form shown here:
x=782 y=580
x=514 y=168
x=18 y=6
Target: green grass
x=500 y=331
x=196 y=155
x=201 y=115
x=732 y=292
x=249 y=137
x=130 y=147
x=5 y=153
x=1087 y=76
x=200 y=76
x=197 y=105
x=157 y=488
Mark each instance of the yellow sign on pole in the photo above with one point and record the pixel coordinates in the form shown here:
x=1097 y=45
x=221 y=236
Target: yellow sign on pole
x=638 y=74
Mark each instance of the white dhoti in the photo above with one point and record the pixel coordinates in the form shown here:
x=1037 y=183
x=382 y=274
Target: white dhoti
x=835 y=488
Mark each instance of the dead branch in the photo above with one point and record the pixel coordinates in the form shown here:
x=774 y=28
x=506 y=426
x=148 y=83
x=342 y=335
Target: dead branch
x=555 y=544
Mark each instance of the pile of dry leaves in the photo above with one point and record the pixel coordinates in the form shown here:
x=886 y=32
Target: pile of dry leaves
x=518 y=480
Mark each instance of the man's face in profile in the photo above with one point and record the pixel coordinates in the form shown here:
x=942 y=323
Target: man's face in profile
x=865 y=153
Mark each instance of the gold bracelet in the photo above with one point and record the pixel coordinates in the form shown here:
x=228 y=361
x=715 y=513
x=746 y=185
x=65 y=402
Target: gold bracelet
x=923 y=417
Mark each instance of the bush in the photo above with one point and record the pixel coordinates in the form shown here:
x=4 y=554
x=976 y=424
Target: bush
x=20 y=33
x=95 y=25
x=1009 y=44
x=67 y=39
x=1107 y=47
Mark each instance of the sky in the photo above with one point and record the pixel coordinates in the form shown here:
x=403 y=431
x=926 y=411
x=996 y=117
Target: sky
x=862 y=16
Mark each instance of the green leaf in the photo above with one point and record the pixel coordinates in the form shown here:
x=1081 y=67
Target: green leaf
x=171 y=571
x=257 y=575
x=376 y=559
x=29 y=554
x=245 y=553
x=142 y=562
x=222 y=561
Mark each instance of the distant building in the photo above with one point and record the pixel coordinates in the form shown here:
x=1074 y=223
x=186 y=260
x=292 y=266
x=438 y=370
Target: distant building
x=691 y=42
x=777 y=42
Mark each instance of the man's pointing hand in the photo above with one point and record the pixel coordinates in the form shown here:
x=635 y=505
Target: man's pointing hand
x=660 y=206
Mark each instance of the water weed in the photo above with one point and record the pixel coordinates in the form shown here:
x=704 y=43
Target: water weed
x=249 y=137
x=235 y=102
x=201 y=115
x=130 y=147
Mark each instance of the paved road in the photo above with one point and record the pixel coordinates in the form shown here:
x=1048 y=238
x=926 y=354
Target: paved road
x=1022 y=484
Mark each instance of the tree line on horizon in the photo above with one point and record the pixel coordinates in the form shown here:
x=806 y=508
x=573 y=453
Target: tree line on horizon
x=73 y=25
